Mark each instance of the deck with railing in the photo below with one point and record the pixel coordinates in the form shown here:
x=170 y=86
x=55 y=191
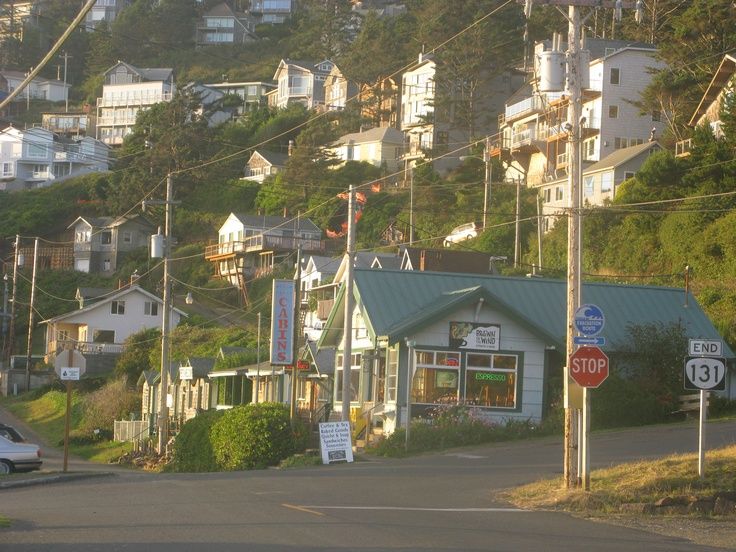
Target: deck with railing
x=263 y=242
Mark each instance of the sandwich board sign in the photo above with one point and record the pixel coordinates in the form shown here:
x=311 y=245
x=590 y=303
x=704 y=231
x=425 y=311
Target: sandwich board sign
x=335 y=442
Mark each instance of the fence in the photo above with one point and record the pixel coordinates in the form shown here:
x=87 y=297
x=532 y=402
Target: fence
x=135 y=430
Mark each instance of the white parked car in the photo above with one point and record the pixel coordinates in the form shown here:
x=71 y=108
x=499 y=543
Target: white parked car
x=461 y=233
x=18 y=456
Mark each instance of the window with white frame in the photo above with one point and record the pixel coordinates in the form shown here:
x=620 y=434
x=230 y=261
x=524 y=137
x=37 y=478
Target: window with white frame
x=37 y=151
x=588 y=186
x=392 y=370
x=491 y=380
x=589 y=149
x=355 y=360
x=7 y=169
x=547 y=195
x=559 y=193
x=150 y=308
x=117 y=307
x=607 y=181
x=436 y=377
x=106 y=237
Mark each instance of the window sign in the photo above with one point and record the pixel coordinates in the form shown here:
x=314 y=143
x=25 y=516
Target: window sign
x=491 y=380
x=475 y=335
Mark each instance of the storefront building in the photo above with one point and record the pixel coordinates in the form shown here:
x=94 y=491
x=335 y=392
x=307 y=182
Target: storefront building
x=495 y=344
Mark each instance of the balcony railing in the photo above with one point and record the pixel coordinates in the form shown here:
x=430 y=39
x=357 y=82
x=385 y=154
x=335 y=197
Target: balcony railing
x=523 y=137
x=263 y=242
x=144 y=100
x=86 y=347
x=562 y=160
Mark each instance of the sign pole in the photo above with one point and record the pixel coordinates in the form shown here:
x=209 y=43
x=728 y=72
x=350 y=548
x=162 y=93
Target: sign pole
x=701 y=435
x=585 y=441
x=67 y=419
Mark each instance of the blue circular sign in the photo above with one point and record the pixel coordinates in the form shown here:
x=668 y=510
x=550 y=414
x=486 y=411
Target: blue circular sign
x=589 y=320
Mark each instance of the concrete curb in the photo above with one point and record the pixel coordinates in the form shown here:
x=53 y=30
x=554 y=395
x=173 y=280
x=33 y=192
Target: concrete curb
x=52 y=478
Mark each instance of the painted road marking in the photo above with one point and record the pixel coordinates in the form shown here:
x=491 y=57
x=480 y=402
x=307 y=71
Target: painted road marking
x=302 y=509
x=469 y=456
x=311 y=508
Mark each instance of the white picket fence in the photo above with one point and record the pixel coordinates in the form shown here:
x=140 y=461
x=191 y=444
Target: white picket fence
x=131 y=430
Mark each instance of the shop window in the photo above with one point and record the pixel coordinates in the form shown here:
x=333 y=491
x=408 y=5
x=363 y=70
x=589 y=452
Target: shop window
x=355 y=366
x=436 y=377
x=491 y=380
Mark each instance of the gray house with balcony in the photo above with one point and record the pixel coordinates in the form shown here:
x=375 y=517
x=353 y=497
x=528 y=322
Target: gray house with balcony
x=101 y=243
x=250 y=246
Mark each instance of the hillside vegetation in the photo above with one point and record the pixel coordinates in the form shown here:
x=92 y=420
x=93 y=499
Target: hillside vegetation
x=647 y=235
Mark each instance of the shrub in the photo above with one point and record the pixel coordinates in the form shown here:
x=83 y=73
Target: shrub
x=721 y=407
x=255 y=436
x=113 y=401
x=192 y=451
x=621 y=402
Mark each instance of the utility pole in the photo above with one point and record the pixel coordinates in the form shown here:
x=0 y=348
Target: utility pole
x=5 y=311
x=348 y=331
x=577 y=399
x=258 y=358
x=31 y=313
x=487 y=179
x=66 y=57
x=517 y=237
x=161 y=247
x=11 y=330
x=411 y=205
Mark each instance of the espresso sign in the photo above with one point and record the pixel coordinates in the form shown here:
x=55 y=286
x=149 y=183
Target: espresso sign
x=475 y=335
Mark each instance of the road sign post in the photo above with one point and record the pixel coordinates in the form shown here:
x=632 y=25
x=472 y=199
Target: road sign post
x=704 y=371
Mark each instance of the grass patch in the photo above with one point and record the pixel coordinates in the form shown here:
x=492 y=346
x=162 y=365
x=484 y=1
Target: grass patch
x=46 y=415
x=4 y=522
x=634 y=482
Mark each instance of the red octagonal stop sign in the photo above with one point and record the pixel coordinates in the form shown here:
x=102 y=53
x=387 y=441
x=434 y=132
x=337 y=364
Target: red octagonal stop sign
x=588 y=366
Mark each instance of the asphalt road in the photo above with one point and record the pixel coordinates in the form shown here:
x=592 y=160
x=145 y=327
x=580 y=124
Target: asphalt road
x=437 y=502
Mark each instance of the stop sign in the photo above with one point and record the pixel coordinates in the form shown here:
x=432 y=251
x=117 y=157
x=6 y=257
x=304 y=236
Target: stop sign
x=588 y=366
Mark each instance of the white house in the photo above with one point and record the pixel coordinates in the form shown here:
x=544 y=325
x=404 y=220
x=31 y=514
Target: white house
x=433 y=106
x=253 y=93
x=338 y=90
x=126 y=91
x=39 y=88
x=103 y=326
x=36 y=157
x=600 y=181
x=533 y=131
x=301 y=82
x=380 y=146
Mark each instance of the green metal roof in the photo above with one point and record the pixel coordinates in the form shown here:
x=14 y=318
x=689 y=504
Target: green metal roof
x=398 y=303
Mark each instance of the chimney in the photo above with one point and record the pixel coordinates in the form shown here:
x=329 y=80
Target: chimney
x=134 y=277
x=291 y=147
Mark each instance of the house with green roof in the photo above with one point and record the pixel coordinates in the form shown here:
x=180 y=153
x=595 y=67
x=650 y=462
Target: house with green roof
x=494 y=343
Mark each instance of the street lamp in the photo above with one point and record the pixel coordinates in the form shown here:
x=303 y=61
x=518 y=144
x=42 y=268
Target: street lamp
x=487 y=178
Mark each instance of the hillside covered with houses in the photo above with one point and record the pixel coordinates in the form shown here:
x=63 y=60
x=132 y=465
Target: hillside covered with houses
x=262 y=117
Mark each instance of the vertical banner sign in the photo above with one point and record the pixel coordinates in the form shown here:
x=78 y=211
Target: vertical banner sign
x=282 y=322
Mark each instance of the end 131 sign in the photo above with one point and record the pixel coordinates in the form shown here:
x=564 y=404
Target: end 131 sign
x=705 y=373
